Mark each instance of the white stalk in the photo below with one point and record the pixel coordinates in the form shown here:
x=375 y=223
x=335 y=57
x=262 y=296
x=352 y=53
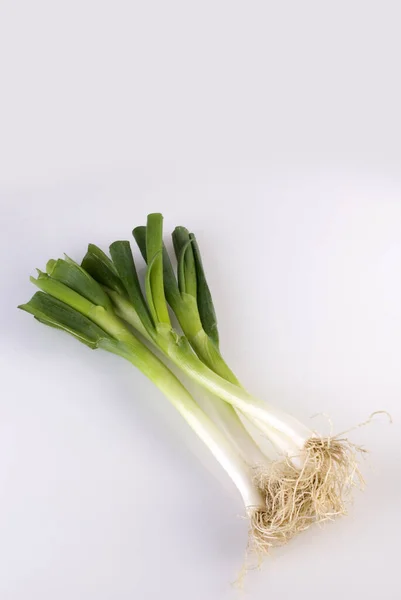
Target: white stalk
x=290 y=433
x=221 y=448
x=285 y=432
x=282 y=443
x=222 y=412
x=227 y=420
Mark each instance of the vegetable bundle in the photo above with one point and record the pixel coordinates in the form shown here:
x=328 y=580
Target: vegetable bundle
x=102 y=304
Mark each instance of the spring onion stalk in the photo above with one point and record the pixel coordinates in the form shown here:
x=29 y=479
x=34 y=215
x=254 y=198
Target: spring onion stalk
x=71 y=300
x=316 y=474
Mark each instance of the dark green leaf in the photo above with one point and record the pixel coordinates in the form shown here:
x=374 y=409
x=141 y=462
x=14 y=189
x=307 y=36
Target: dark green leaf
x=186 y=262
x=76 y=278
x=170 y=282
x=139 y=234
x=53 y=312
x=101 y=267
x=204 y=297
x=62 y=292
x=154 y=254
x=124 y=262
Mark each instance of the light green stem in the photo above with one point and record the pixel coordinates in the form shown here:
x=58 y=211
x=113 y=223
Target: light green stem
x=263 y=412
x=211 y=357
x=293 y=434
x=209 y=354
x=229 y=421
x=208 y=432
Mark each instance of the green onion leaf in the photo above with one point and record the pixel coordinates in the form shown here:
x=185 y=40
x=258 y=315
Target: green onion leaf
x=76 y=278
x=186 y=262
x=154 y=277
x=204 y=297
x=124 y=262
x=148 y=290
x=101 y=267
x=53 y=312
x=63 y=293
x=171 y=289
x=139 y=234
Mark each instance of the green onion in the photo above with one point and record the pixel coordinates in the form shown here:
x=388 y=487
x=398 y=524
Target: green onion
x=101 y=300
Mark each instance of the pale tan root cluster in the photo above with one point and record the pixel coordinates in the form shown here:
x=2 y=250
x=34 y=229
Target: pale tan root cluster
x=297 y=498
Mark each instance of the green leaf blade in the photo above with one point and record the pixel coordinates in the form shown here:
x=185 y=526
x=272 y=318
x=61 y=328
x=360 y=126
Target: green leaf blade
x=170 y=282
x=123 y=260
x=62 y=292
x=154 y=255
x=204 y=296
x=57 y=314
x=171 y=289
x=186 y=262
x=79 y=280
x=102 y=269
x=139 y=234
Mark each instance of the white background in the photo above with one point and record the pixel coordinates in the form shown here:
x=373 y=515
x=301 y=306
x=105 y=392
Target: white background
x=273 y=130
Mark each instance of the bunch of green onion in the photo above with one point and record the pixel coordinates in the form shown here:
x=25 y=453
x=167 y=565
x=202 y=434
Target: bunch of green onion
x=102 y=303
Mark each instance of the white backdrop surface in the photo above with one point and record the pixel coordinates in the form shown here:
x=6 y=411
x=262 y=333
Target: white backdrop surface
x=273 y=131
